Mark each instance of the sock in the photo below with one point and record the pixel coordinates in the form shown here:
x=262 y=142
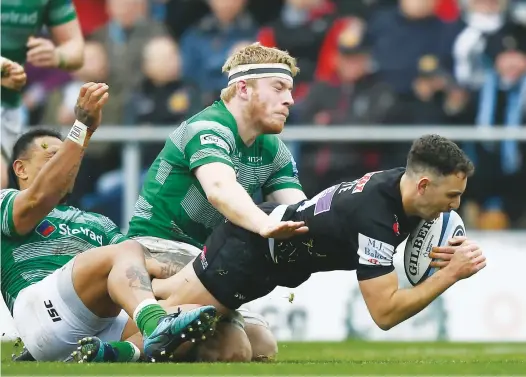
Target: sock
x=125 y=352
x=147 y=315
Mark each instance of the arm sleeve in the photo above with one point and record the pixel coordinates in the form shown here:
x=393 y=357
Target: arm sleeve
x=206 y=142
x=376 y=246
x=60 y=12
x=7 y=198
x=284 y=173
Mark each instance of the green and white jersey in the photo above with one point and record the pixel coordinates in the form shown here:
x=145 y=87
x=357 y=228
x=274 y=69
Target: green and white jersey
x=22 y=19
x=64 y=233
x=172 y=204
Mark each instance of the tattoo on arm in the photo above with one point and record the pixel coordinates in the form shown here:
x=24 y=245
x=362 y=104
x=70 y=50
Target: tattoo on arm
x=84 y=116
x=167 y=264
x=138 y=279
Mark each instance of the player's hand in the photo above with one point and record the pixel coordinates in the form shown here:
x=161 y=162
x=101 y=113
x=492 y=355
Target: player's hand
x=92 y=98
x=466 y=261
x=13 y=75
x=445 y=253
x=283 y=229
x=42 y=53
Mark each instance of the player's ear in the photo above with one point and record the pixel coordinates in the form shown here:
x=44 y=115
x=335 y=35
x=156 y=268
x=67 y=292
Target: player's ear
x=20 y=169
x=422 y=185
x=242 y=90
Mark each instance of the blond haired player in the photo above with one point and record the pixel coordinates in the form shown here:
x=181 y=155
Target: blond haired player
x=207 y=172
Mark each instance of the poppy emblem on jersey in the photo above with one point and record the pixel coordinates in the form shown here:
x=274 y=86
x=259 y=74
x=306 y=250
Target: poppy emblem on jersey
x=396 y=226
x=45 y=228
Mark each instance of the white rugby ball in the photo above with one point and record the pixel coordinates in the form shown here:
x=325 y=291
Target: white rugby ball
x=421 y=241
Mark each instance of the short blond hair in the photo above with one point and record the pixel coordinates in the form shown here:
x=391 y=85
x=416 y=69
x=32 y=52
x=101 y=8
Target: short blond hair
x=255 y=53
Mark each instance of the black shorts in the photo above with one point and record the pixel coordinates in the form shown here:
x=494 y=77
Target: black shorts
x=236 y=267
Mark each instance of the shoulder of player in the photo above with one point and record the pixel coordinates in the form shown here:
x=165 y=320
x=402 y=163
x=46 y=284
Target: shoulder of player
x=8 y=192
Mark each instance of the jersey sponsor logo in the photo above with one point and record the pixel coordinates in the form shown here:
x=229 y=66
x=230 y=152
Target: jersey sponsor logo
x=255 y=159
x=53 y=314
x=46 y=228
x=360 y=183
x=65 y=230
x=213 y=139
x=373 y=252
x=20 y=18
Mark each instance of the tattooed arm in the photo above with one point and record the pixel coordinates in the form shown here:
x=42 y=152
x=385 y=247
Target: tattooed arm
x=166 y=264
x=61 y=166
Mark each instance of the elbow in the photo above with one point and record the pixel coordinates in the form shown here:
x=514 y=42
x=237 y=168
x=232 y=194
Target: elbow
x=215 y=194
x=385 y=320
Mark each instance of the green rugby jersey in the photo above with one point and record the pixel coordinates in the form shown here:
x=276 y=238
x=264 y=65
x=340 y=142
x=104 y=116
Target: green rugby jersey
x=64 y=233
x=22 y=19
x=172 y=204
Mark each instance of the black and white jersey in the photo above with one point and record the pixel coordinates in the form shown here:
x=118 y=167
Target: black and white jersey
x=352 y=226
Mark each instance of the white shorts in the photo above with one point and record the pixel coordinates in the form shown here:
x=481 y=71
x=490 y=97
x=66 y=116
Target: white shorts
x=187 y=254
x=11 y=123
x=51 y=318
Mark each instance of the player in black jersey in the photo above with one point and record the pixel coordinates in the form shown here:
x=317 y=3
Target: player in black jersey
x=352 y=226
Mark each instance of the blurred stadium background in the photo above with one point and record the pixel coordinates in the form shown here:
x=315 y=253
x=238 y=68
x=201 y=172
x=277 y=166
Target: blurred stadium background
x=374 y=75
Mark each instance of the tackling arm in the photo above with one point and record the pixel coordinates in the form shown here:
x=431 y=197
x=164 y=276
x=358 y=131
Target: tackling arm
x=229 y=197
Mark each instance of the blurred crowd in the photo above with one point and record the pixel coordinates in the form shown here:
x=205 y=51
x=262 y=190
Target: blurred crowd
x=363 y=62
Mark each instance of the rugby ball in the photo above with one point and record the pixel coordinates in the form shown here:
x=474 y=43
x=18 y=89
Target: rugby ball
x=421 y=241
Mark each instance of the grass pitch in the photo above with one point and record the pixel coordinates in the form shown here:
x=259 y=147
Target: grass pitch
x=354 y=358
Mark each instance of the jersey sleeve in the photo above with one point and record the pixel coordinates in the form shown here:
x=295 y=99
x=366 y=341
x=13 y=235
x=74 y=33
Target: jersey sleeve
x=112 y=233
x=205 y=142
x=60 y=12
x=284 y=173
x=7 y=198
x=376 y=246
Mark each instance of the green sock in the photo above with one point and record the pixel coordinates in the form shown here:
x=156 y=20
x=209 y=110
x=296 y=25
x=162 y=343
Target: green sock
x=147 y=316
x=125 y=352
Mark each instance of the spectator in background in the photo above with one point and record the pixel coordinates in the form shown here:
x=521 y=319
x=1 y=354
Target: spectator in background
x=124 y=37
x=354 y=96
x=437 y=99
x=163 y=97
x=401 y=35
x=305 y=28
x=499 y=186
x=481 y=19
x=205 y=47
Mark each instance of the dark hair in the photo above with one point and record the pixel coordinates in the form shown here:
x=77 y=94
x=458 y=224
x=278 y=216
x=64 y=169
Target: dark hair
x=21 y=147
x=439 y=154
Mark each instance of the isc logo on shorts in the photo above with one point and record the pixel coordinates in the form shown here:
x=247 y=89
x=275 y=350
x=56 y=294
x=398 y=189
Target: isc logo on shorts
x=202 y=257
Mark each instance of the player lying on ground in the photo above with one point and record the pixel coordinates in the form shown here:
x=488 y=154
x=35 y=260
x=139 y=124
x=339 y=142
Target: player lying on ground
x=213 y=163
x=352 y=226
x=63 y=275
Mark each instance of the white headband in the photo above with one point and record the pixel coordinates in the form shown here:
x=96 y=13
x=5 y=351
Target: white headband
x=258 y=71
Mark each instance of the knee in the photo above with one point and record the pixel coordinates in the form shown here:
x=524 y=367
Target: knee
x=229 y=344
x=263 y=343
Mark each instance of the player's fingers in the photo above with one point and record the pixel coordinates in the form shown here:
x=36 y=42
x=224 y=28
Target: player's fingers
x=32 y=42
x=96 y=94
x=479 y=259
x=103 y=100
x=480 y=266
x=457 y=240
x=302 y=230
x=444 y=256
x=444 y=249
x=475 y=253
x=41 y=50
x=439 y=263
